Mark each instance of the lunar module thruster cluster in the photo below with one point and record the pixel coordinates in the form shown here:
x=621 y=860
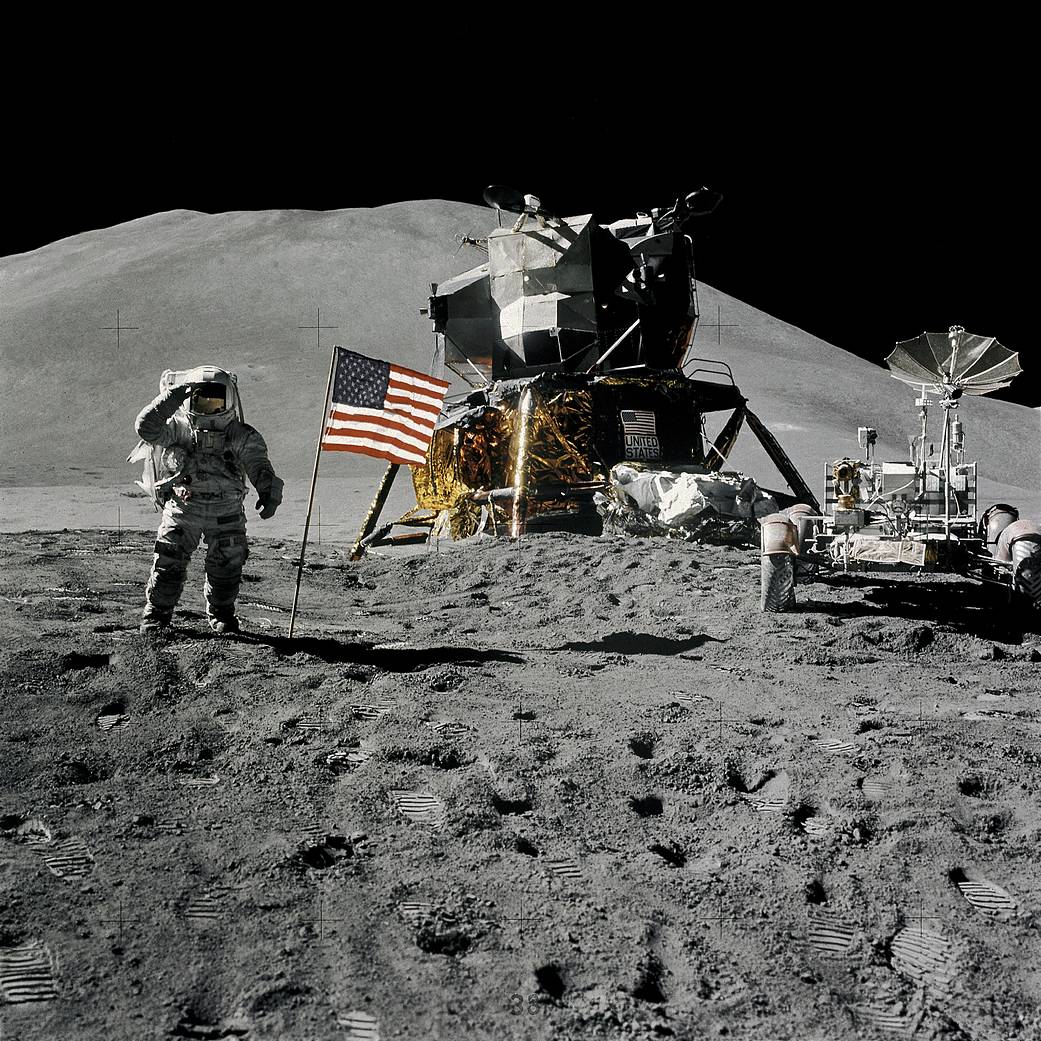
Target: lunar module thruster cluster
x=575 y=340
x=915 y=514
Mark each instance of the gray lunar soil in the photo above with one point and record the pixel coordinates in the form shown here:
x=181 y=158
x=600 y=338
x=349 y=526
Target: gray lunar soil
x=561 y=788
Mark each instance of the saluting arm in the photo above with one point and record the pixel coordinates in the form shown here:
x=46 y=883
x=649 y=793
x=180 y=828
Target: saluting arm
x=151 y=420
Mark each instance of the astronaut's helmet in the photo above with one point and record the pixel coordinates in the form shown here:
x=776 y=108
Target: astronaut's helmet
x=214 y=400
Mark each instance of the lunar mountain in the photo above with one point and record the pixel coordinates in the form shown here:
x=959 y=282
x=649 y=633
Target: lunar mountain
x=246 y=290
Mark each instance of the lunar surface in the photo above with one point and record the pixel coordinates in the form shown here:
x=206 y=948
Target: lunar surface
x=558 y=788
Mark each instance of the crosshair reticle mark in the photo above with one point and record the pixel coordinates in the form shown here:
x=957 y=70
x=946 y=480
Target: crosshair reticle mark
x=121 y=920
x=720 y=720
x=921 y=721
x=921 y=917
x=321 y=920
x=719 y=323
x=318 y=327
x=523 y=717
x=719 y=918
x=119 y=328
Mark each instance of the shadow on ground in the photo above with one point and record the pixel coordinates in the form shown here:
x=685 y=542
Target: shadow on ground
x=388 y=659
x=967 y=607
x=639 y=643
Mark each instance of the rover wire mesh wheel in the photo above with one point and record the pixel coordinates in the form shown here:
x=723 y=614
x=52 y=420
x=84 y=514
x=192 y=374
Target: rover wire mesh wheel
x=1026 y=569
x=778 y=589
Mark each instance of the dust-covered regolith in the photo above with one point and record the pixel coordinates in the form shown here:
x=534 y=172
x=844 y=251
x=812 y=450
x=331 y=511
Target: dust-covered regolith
x=560 y=788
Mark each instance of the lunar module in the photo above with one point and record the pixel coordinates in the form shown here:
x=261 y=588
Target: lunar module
x=917 y=514
x=574 y=338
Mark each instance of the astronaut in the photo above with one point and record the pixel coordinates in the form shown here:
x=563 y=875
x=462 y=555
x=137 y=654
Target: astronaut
x=204 y=453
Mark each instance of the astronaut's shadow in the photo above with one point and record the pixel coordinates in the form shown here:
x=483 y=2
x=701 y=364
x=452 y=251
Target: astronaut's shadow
x=387 y=659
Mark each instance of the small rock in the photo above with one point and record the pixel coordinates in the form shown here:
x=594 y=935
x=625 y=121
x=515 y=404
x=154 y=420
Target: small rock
x=1035 y=654
x=919 y=637
x=998 y=653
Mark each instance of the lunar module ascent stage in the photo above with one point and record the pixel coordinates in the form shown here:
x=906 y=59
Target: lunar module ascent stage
x=575 y=340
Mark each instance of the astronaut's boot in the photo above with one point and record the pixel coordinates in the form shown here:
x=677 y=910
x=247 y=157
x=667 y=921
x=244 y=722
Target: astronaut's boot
x=224 y=625
x=153 y=623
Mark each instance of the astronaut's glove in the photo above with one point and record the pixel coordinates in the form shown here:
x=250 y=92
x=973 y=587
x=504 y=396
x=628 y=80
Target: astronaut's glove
x=269 y=491
x=267 y=506
x=167 y=404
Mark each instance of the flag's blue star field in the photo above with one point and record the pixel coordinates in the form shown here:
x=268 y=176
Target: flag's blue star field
x=360 y=382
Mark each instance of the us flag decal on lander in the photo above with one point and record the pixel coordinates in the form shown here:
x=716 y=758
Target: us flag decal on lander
x=641 y=434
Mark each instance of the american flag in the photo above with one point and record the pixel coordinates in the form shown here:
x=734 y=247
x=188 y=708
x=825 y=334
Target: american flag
x=639 y=422
x=381 y=409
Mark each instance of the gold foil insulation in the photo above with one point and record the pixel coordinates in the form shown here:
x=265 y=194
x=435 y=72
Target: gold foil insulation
x=480 y=452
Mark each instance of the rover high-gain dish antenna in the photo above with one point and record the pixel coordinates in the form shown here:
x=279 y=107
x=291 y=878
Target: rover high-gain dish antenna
x=951 y=364
x=955 y=360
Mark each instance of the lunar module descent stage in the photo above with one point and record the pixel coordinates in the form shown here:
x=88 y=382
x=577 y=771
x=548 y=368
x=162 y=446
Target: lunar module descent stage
x=919 y=514
x=574 y=337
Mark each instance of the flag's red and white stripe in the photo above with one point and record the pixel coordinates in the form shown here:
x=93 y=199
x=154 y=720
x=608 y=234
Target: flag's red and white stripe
x=401 y=431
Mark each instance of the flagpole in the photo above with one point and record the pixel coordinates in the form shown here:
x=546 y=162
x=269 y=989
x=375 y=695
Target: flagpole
x=310 y=497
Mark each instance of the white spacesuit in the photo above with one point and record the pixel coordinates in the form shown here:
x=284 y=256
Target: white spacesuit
x=205 y=453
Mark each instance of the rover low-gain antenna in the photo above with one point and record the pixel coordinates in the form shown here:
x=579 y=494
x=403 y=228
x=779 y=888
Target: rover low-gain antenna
x=469 y=240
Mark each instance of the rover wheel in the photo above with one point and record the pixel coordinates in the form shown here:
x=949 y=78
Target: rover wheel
x=1026 y=569
x=778 y=583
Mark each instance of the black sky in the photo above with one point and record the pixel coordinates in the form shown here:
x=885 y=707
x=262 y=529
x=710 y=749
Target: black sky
x=864 y=201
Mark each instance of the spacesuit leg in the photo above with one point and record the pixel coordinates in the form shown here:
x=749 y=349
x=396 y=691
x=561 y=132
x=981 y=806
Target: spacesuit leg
x=226 y=552
x=176 y=540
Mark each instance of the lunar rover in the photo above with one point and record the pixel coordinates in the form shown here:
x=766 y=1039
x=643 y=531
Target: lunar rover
x=575 y=339
x=919 y=514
